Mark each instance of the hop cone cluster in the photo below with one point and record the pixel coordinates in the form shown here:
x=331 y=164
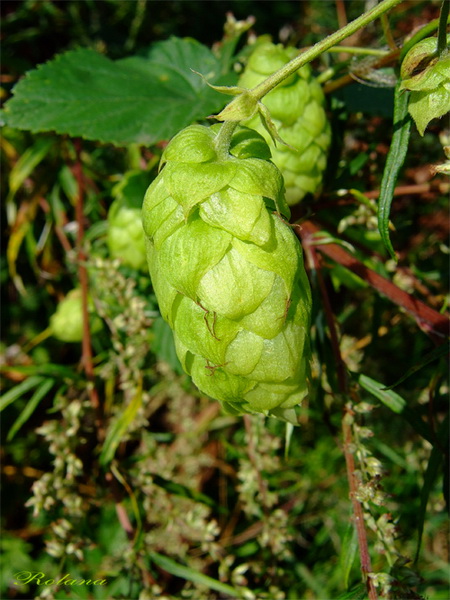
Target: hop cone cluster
x=228 y=271
x=297 y=109
x=125 y=234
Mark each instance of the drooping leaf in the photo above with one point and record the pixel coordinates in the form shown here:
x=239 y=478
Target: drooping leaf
x=394 y=162
x=135 y=100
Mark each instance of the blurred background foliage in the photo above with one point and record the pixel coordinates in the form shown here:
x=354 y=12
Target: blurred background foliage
x=157 y=491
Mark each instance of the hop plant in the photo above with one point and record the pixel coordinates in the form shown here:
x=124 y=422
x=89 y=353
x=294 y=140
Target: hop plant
x=66 y=324
x=427 y=76
x=125 y=234
x=297 y=108
x=228 y=272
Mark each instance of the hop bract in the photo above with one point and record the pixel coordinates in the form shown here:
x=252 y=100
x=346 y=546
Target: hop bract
x=297 y=110
x=228 y=272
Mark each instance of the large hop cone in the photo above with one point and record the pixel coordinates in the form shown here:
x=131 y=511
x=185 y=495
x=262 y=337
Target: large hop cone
x=228 y=272
x=297 y=108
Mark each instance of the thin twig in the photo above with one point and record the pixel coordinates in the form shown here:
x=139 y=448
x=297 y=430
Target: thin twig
x=358 y=513
x=86 y=358
x=366 y=566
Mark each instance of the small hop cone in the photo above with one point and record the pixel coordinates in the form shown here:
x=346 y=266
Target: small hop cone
x=228 y=272
x=66 y=323
x=125 y=235
x=297 y=108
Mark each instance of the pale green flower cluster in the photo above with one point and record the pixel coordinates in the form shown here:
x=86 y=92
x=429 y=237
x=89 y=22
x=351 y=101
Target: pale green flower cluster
x=228 y=272
x=297 y=108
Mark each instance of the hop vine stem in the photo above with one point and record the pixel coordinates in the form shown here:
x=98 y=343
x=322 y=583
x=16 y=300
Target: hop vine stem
x=84 y=284
x=308 y=55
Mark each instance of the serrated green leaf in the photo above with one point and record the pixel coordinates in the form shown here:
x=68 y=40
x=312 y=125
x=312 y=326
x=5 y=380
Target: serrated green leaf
x=136 y=100
x=18 y=391
x=30 y=407
x=190 y=574
x=395 y=159
x=118 y=429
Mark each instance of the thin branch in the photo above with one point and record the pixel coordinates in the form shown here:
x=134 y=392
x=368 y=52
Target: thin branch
x=353 y=482
x=366 y=566
x=86 y=358
x=428 y=319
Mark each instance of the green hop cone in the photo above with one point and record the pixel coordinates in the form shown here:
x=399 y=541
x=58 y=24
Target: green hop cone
x=66 y=323
x=427 y=76
x=297 y=108
x=125 y=234
x=228 y=272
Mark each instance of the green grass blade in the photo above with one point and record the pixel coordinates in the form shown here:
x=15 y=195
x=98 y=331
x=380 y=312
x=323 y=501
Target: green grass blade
x=119 y=428
x=431 y=474
x=52 y=369
x=18 y=391
x=190 y=574
x=32 y=404
x=394 y=162
x=348 y=553
x=396 y=403
x=441 y=350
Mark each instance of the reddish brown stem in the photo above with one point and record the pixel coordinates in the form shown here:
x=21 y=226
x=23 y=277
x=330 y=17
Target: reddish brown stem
x=86 y=357
x=366 y=566
x=315 y=262
x=428 y=319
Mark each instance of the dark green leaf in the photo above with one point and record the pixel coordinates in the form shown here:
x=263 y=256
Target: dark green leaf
x=139 y=99
x=395 y=159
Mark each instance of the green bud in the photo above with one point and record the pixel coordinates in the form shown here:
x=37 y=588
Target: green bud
x=125 y=234
x=228 y=271
x=427 y=76
x=297 y=110
x=66 y=323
